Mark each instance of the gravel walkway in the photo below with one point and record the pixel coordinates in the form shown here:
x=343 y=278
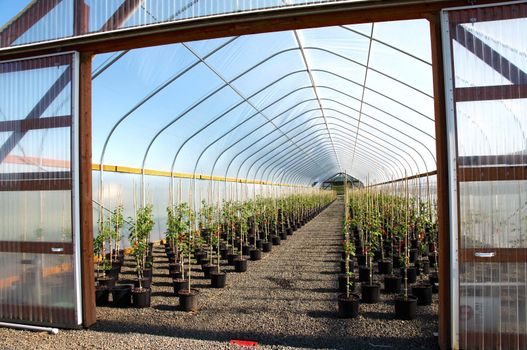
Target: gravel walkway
x=286 y=300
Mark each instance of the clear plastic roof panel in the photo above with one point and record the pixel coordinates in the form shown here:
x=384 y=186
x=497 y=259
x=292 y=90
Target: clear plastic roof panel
x=288 y=106
x=31 y=21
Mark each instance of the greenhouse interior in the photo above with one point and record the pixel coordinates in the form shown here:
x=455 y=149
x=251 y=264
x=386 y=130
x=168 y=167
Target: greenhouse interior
x=311 y=174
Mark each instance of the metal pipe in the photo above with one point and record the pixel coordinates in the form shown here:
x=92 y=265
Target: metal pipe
x=28 y=327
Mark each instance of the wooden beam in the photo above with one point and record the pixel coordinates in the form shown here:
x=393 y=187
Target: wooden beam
x=501 y=255
x=485 y=14
x=490 y=93
x=54 y=248
x=501 y=173
x=443 y=202
x=25 y=125
x=505 y=159
x=89 y=316
x=271 y=20
x=63 y=317
x=36 y=185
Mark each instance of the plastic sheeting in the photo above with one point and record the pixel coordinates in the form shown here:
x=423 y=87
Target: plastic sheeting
x=294 y=107
x=54 y=19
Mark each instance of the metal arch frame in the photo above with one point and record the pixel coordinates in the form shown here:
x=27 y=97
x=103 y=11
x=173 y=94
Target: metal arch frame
x=298 y=71
x=142 y=102
x=292 y=171
x=288 y=94
x=337 y=125
x=315 y=91
x=309 y=140
x=228 y=84
x=376 y=137
x=282 y=165
x=315 y=145
x=266 y=146
x=245 y=98
x=296 y=170
x=383 y=123
x=237 y=125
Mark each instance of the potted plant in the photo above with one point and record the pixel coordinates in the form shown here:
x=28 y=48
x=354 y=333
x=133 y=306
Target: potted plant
x=142 y=225
x=240 y=263
x=405 y=304
x=188 y=297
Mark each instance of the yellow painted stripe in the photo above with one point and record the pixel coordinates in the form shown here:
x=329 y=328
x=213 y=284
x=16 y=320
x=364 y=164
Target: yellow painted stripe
x=153 y=172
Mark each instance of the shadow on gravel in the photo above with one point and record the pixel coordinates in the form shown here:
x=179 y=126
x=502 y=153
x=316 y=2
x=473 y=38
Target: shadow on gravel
x=324 y=290
x=324 y=340
x=166 y=307
x=322 y=314
x=162 y=284
x=374 y=315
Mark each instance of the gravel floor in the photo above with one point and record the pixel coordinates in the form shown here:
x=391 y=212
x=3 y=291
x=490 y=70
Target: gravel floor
x=286 y=300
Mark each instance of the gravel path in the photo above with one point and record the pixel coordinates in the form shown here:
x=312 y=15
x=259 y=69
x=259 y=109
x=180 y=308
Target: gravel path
x=286 y=300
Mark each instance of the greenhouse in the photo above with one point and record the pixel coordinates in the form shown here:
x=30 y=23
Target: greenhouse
x=343 y=174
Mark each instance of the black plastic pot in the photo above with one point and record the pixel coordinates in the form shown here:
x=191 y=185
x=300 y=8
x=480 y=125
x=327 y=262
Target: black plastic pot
x=283 y=235
x=141 y=297
x=275 y=240
x=147 y=273
x=200 y=255
x=267 y=247
x=364 y=274
x=405 y=308
x=207 y=269
x=348 y=307
x=413 y=255
x=188 y=301
x=258 y=244
x=218 y=279
x=145 y=283
x=231 y=257
x=246 y=249
x=224 y=252
x=108 y=282
x=289 y=231
x=114 y=272
x=423 y=293
x=122 y=296
x=101 y=296
x=179 y=284
x=412 y=274
x=392 y=284
x=351 y=265
x=240 y=264
x=172 y=268
x=256 y=254
x=342 y=283
x=385 y=267
x=371 y=293
x=361 y=259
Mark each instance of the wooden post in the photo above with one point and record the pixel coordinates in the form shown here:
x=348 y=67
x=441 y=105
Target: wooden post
x=86 y=209
x=442 y=182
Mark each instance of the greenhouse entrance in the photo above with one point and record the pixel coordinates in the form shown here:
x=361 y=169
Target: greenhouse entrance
x=264 y=119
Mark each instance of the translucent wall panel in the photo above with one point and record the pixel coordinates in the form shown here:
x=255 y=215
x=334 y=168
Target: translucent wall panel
x=489 y=105
x=37 y=220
